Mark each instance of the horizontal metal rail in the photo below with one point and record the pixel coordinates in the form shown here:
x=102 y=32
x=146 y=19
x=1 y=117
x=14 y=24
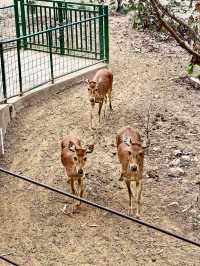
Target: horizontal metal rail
x=65 y=8
x=4 y=7
x=72 y=3
x=154 y=227
x=52 y=29
x=9 y=261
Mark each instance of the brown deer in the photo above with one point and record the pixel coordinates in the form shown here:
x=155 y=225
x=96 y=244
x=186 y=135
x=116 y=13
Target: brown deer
x=99 y=88
x=73 y=158
x=131 y=157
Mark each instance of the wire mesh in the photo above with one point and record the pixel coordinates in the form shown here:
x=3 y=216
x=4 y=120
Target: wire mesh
x=7 y=20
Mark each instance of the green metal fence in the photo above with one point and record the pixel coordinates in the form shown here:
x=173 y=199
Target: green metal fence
x=44 y=54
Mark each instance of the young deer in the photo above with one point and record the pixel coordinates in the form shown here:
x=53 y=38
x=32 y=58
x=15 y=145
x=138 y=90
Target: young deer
x=74 y=157
x=99 y=88
x=131 y=156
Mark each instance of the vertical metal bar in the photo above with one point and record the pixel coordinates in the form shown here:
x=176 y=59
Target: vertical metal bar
x=86 y=45
x=95 y=37
x=81 y=32
x=101 y=34
x=17 y=24
x=90 y=27
x=33 y=21
x=23 y=20
x=76 y=28
x=72 y=37
x=3 y=74
x=106 y=33
x=41 y=23
x=55 y=24
x=37 y=23
x=19 y=69
x=67 y=30
x=51 y=55
x=61 y=31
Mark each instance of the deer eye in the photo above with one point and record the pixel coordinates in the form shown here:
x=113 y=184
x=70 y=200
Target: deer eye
x=75 y=159
x=85 y=159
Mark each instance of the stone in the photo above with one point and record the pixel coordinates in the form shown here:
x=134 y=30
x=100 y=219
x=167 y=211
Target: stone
x=177 y=153
x=175 y=162
x=186 y=158
x=176 y=172
x=193 y=212
x=173 y=204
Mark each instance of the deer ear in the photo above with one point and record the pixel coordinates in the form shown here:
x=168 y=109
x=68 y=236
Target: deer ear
x=90 y=148
x=71 y=146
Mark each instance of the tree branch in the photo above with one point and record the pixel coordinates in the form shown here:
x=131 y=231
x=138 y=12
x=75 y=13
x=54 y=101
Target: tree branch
x=182 y=43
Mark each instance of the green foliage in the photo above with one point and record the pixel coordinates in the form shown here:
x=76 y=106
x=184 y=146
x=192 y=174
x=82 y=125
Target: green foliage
x=190 y=68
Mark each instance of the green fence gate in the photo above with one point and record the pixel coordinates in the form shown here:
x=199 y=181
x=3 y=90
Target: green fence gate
x=87 y=39
x=54 y=38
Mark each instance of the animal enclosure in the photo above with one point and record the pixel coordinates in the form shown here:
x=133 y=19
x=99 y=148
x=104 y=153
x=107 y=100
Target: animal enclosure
x=48 y=40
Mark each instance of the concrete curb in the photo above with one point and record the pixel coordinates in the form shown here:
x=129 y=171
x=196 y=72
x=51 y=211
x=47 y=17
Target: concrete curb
x=8 y=111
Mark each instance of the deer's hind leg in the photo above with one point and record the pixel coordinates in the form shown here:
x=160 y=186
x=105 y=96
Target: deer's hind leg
x=110 y=98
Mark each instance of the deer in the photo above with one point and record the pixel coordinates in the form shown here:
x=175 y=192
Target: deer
x=99 y=88
x=74 y=158
x=131 y=157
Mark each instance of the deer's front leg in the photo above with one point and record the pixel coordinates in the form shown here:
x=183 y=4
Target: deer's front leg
x=91 y=117
x=100 y=107
x=138 y=197
x=128 y=184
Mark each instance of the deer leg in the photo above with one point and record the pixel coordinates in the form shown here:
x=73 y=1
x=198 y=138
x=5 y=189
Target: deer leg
x=74 y=192
x=138 y=197
x=121 y=177
x=105 y=100
x=91 y=117
x=100 y=107
x=128 y=184
x=110 y=99
x=81 y=189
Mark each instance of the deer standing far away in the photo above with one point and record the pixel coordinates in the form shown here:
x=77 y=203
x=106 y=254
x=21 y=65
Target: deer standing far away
x=131 y=157
x=98 y=89
x=74 y=158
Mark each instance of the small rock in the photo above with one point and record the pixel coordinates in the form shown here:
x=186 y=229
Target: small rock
x=176 y=171
x=193 y=212
x=173 y=204
x=175 y=162
x=186 y=158
x=177 y=153
x=156 y=149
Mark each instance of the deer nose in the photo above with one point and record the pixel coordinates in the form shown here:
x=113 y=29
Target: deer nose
x=92 y=100
x=133 y=168
x=80 y=171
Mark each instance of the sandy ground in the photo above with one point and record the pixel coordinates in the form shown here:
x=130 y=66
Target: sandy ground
x=32 y=226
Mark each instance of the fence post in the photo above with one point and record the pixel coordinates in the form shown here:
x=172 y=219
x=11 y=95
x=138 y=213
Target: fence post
x=61 y=31
x=3 y=74
x=106 y=32
x=17 y=20
x=23 y=21
x=19 y=68
x=101 y=31
x=50 y=44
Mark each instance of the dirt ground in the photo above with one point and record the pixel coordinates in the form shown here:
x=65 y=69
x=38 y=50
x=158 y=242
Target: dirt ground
x=33 y=229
